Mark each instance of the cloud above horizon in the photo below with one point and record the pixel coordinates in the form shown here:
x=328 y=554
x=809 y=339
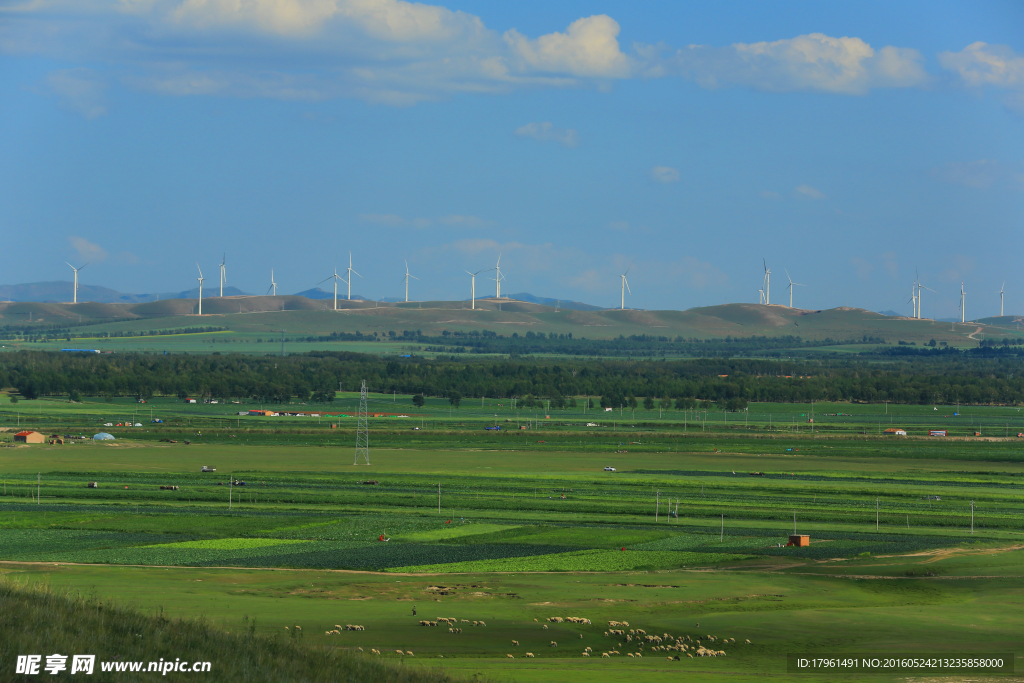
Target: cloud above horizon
x=401 y=53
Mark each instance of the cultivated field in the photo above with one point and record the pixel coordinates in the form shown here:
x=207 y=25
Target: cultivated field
x=687 y=531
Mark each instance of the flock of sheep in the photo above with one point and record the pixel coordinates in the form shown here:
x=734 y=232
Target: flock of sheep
x=634 y=637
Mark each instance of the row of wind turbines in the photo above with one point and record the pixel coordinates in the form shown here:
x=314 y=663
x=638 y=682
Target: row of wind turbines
x=349 y=272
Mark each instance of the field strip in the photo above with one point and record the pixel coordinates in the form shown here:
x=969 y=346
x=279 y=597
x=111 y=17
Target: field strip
x=944 y=553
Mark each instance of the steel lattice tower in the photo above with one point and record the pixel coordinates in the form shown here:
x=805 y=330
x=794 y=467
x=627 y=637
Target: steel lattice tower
x=362 y=429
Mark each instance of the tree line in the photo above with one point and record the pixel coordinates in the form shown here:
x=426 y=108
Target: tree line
x=316 y=376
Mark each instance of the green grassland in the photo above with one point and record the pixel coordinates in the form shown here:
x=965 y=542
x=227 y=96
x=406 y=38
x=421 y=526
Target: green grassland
x=254 y=324
x=513 y=527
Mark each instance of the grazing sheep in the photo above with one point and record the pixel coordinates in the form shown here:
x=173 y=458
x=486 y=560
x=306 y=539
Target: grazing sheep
x=589 y=649
x=510 y=656
x=554 y=644
x=464 y=621
x=375 y=651
x=451 y=630
x=639 y=655
x=747 y=641
x=690 y=655
x=629 y=654
x=586 y=654
x=529 y=654
x=545 y=626
x=483 y=624
x=399 y=652
x=409 y=652
x=605 y=655
x=581 y=636
x=515 y=642
x=360 y=649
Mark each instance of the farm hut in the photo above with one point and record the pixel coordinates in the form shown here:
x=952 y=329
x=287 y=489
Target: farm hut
x=29 y=437
x=103 y=436
x=799 y=540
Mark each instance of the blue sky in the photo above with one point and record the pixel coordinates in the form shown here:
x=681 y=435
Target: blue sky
x=848 y=144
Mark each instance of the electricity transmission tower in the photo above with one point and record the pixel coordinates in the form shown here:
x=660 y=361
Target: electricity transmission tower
x=362 y=429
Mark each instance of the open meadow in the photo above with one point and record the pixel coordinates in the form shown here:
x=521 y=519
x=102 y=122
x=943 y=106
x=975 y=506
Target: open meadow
x=496 y=538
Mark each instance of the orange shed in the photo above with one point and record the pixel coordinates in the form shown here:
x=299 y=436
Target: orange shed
x=799 y=540
x=30 y=437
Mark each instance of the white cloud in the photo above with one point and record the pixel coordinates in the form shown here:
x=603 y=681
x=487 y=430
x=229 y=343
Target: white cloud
x=88 y=251
x=810 y=192
x=664 y=174
x=547 y=132
x=981 y=64
x=977 y=174
x=588 y=48
x=814 y=61
x=400 y=53
x=79 y=90
x=998 y=66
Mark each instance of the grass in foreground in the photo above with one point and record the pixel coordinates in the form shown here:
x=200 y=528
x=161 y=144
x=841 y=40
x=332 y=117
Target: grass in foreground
x=40 y=620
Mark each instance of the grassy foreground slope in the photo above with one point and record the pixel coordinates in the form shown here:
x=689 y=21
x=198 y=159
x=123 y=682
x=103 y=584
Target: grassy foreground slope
x=41 y=620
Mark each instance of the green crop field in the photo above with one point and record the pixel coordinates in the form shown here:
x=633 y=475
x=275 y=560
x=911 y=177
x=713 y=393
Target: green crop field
x=915 y=543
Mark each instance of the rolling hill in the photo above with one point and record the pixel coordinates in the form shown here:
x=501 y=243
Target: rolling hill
x=255 y=315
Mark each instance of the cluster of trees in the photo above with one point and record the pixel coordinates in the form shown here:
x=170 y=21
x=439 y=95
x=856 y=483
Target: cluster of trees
x=942 y=377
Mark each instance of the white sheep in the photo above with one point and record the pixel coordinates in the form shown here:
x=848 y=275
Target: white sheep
x=529 y=654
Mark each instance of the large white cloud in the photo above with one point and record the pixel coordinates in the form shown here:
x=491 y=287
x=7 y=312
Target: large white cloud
x=998 y=66
x=810 y=62
x=400 y=53
x=589 y=47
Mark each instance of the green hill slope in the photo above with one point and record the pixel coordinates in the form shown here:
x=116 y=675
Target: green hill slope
x=41 y=621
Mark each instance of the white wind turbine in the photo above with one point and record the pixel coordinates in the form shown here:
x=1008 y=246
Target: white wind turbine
x=767 y=283
x=223 y=274
x=200 y=278
x=498 y=278
x=791 y=286
x=760 y=294
x=962 y=303
x=1002 y=291
x=273 y=284
x=919 y=296
x=472 y=287
x=625 y=288
x=75 y=299
x=334 y=277
x=350 y=273
x=406 y=278
x=913 y=299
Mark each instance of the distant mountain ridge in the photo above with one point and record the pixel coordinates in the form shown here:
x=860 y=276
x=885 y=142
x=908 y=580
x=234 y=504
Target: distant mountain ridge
x=61 y=291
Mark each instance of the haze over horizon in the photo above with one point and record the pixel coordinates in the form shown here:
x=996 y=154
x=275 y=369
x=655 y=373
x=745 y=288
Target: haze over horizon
x=850 y=146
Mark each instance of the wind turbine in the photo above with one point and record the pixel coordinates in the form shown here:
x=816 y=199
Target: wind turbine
x=498 y=278
x=200 y=278
x=472 y=289
x=767 y=283
x=913 y=299
x=625 y=288
x=75 y=300
x=791 y=286
x=334 y=277
x=223 y=274
x=1002 y=290
x=406 y=278
x=919 y=296
x=349 y=280
x=760 y=294
x=962 y=303
x=273 y=285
